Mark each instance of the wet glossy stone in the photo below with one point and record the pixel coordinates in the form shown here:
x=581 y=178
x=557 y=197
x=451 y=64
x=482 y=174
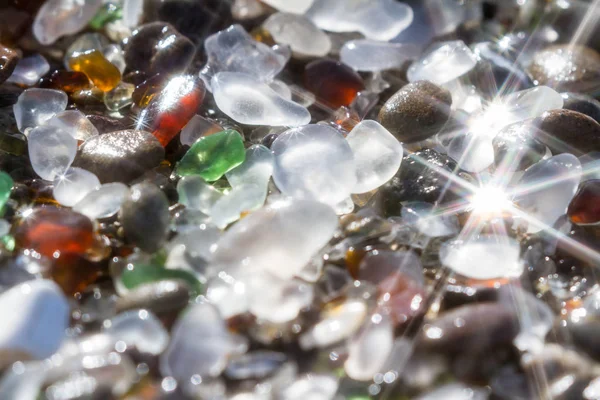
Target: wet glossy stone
x=332 y=82
x=35 y=106
x=102 y=202
x=566 y=68
x=582 y=103
x=251 y=102
x=442 y=64
x=373 y=56
x=416 y=112
x=75 y=123
x=314 y=162
x=74 y=185
x=379 y=20
x=298 y=32
x=584 y=209
x=144 y=216
x=58 y=18
x=8 y=62
x=566 y=131
x=67 y=81
x=515 y=147
x=38 y=328
x=55 y=231
x=119 y=156
x=6 y=184
x=29 y=70
x=51 y=151
x=171 y=109
x=96 y=67
x=212 y=156
x=158 y=47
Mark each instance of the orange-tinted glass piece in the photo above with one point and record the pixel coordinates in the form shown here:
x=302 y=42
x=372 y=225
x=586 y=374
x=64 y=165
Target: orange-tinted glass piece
x=101 y=72
x=67 y=81
x=145 y=91
x=55 y=231
x=585 y=206
x=334 y=83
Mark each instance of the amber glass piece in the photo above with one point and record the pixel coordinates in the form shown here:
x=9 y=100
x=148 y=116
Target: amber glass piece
x=54 y=231
x=173 y=107
x=262 y=35
x=334 y=83
x=101 y=72
x=67 y=81
x=585 y=206
x=73 y=272
x=145 y=91
x=344 y=118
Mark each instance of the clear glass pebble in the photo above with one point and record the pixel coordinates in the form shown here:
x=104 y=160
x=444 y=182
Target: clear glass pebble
x=29 y=70
x=295 y=7
x=251 y=102
x=58 y=18
x=139 y=329
x=73 y=185
x=373 y=56
x=455 y=391
x=315 y=162
x=75 y=123
x=298 y=32
x=473 y=152
x=376 y=19
x=241 y=199
x=276 y=300
x=257 y=167
x=119 y=97
x=36 y=106
x=313 y=386
x=196 y=128
x=444 y=63
x=133 y=11
x=103 y=202
x=377 y=155
x=424 y=217
x=195 y=193
x=529 y=103
x=51 y=151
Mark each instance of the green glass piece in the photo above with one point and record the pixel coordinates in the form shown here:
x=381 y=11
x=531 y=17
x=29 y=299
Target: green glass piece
x=109 y=12
x=138 y=274
x=13 y=143
x=8 y=241
x=6 y=184
x=212 y=156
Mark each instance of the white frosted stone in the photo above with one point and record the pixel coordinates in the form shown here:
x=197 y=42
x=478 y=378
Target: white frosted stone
x=423 y=216
x=444 y=63
x=472 y=152
x=336 y=324
x=139 y=329
x=455 y=391
x=234 y=50
x=261 y=240
x=200 y=345
x=501 y=255
x=196 y=194
x=36 y=314
x=377 y=155
x=369 y=349
x=298 y=32
x=51 y=151
x=546 y=189
x=249 y=101
x=373 y=56
x=290 y=6
x=196 y=128
x=103 y=202
x=313 y=387
x=133 y=10
x=75 y=122
x=58 y=18
x=29 y=70
x=241 y=199
x=73 y=185
x=376 y=19
x=314 y=161
x=276 y=300
x=257 y=167
x=36 y=106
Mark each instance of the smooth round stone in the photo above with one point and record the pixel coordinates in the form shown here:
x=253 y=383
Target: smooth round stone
x=102 y=202
x=566 y=67
x=566 y=131
x=298 y=32
x=376 y=19
x=312 y=386
x=58 y=18
x=544 y=203
x=73 y=185
x=582 y=103
x=144 y=216
x=515 y=147
x=501 y=255
x=584 y=209
x=35 y=106
x=29 y=70
x=446 y=62
x=416 y=112
x=120 y=156
x=377 y=155
x=295 y=7
x=139 y=329
x=51 y=151
x=249 y=101
x=75 y=122
x=257 y=242
x=195 y=193
x=8 y=62
x=373 y=56
x=314 y=162
x=36 y=316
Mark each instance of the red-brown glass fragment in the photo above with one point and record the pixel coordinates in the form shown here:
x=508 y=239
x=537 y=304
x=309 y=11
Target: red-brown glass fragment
x=67 y=81
x=585 y=206
x=334 y=83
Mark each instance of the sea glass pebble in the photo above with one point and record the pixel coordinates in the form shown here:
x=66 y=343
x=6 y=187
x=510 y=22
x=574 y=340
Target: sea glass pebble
x=75 y=123
x=73 y=185
x=195 y=193
x=102 y=202
x=373 y=56
x=298 y=32
x=51 y=151
x=35 y=106
x=444 y=63
x=57 y=18
x=29 y=70
x=296 y=6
